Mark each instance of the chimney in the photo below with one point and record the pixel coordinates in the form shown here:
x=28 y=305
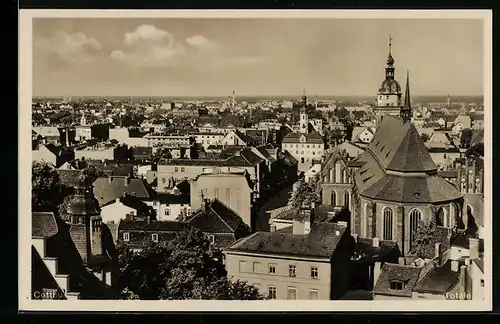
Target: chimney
x=462 y=281
x=149 y=219
x=272 y=228
x=454 y=265
x=342 y=223
x=376 y=242
x=473 y=248
x=110 y=179
x=125 y=179
x=376 y=271
x=117 y=200
x=401 y=261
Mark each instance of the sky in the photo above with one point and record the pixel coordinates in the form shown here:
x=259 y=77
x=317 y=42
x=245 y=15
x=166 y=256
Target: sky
x=213 y=57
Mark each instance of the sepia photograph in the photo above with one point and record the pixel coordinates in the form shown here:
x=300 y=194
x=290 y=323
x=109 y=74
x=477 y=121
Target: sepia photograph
x=255 y=160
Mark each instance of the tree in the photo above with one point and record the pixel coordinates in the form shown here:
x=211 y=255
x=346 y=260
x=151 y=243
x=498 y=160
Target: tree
x=466 y=138
x=46 y=192
x=187 y=267
x=306 y=192
x=423 y=239
x=92 y=173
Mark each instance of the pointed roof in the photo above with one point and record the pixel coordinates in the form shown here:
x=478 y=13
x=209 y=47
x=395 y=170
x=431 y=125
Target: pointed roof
x=407 y=105
x=399 y=147
x=390 y=59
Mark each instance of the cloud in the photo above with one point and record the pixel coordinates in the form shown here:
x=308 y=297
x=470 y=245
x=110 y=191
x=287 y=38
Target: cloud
x=149 y=46
x=200 y=42
x=147 y=33
x=71 y=47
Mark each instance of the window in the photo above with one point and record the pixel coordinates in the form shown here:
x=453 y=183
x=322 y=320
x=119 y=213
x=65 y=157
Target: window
x=272 y=268
x=313 y=294
x=271 y=292
x=292 y=270
x=217 y=193
x=256 y=267
x=292 y=293
x=242 y=266
x=388 y=214
x=163 y=180
x=333 y=198
x=176 y=169
x=167 y=212
x=154 y=237
x=415 y=216
x=396 y=285
x=183 y=169
x=211 y=238
x=314 y=272
x=126 y=237
x=346 y=199
x=228 y=196
x=482 y=282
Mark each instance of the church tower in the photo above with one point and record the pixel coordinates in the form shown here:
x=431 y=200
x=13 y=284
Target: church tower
x=304 y=122
x=83 y=120
x=83 y=215
x=389 y=93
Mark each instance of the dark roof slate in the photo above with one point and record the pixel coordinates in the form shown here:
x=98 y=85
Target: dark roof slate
x=438 y=280
x=43 y=225
x=395 y=272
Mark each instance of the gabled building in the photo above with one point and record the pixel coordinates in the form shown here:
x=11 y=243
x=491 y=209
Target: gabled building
x=221 y=223
x=107 y=189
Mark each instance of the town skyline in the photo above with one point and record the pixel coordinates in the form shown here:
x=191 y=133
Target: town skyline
x=213 y=57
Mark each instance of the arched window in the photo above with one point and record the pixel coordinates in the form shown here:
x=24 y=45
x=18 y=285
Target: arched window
x=347 y=197
x=441 y=218
x=415 y=217
x=333 y=198
x=388 y=214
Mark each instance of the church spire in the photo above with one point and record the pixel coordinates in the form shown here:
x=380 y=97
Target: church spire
x=304 y=99
x=406 y=110
x=389 y=70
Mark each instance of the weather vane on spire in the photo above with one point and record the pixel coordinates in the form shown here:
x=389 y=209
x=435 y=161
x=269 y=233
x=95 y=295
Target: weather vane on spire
x=390 y=42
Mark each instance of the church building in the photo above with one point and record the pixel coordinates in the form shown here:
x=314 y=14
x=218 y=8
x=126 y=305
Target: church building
x=306 y=145
x=394 y=185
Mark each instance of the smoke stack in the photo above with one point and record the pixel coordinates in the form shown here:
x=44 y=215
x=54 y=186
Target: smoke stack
x=110 y=179
x=437 y=250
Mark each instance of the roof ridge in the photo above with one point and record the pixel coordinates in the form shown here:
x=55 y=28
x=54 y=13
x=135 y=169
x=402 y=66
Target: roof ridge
x=232 y=229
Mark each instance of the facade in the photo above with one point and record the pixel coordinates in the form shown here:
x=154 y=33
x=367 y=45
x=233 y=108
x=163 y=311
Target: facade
x=233 y=190
x=308 y=262
x=304 y=145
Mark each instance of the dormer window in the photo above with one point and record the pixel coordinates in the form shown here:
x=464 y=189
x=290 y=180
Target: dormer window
x=126 y=237
x=154 y=237
x=396 y=285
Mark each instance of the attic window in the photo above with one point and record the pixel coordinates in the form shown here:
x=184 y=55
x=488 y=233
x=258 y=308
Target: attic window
x=416 y=193
x=396 y=285
x=154 y=237
x=382 y=148
x=364 y=180
x=363 y=172
x=126 y=237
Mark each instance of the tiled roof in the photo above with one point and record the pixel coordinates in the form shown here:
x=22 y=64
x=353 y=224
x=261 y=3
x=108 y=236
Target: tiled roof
x=43 y=225
x=311 y=138
x=218 y=218
x=106 y=190
x=288 y=158
x=424 y=189
x=250 y=156
x=171 y=199
x=438 y=280
x=395 y=272
x=229 y=119
x=320 y=242
x=69 y=177
x=398 y=146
